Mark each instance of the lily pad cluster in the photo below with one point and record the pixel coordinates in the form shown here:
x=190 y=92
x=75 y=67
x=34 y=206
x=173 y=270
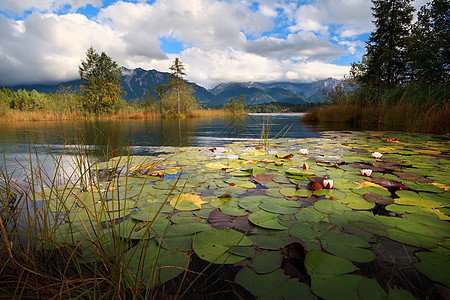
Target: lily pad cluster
x=271 y=211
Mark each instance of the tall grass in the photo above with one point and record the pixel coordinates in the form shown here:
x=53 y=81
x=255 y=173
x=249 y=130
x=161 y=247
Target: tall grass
x=412 y=108
x=42 y=256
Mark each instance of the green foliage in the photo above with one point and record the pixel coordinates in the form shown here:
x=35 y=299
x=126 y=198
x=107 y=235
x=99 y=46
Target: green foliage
x=175 y=97
x=429 y=54
x=65 y=100
x=237 y=106
x=332 y=95
x=100 y=85
x=387 y=45
x=400 y=52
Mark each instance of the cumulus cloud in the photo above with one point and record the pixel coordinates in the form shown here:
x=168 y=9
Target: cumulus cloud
x=222 y=40
x=230 y=65
x=48 y=47
x=299 y=46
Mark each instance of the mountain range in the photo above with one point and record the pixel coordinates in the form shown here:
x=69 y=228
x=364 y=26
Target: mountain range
x=136 y=83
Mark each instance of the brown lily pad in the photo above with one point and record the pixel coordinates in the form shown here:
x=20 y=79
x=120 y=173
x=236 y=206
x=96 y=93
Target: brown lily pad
x=284 y=156
x=378 y=199
x=366 y=166
x=413 y=177
x=220 y=220
x=392 y=185
x=263 y=179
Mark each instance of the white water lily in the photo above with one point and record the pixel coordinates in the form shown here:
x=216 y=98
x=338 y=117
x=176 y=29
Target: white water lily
x=328 y=183
x=305 y=166
x=377 y=155
x=304 y=151
x=366 y=172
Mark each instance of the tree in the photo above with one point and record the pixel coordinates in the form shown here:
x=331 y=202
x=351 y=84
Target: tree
x=429 y=44
x=176 y=95
x=236 y=106
x=177 y=80
x=100 y=82
x=387 y=46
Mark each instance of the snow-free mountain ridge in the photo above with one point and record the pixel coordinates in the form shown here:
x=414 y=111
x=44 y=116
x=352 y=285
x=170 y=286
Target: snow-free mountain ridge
x=136 y=83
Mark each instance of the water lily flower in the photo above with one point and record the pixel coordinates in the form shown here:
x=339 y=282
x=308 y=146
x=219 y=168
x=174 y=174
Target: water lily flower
x=377 y=155
x=328 y=183
x=366 y=172
x=304 y=151
x=305 y=166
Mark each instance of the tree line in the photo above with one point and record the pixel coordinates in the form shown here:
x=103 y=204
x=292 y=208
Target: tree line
x=400 y=51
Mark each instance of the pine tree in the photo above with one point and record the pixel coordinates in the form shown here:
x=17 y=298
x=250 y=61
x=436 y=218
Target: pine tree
x=177 y=80
x=387 y=46
x=176 y=95
x=429 y=45
x=100 y=82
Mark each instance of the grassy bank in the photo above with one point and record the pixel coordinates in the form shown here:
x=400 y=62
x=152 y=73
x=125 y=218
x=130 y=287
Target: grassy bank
x=66 y=104
x=411 y=108
x=128 y=114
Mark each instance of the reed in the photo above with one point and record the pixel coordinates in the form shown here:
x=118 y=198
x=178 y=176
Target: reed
x=66 y=235
x=125 y=114
x=411 y=108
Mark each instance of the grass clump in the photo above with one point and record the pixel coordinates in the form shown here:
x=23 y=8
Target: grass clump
x=412 y=108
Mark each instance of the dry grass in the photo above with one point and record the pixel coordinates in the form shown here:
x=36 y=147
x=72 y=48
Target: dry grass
x=208 y=113
x=136 y=114
x=40 y=116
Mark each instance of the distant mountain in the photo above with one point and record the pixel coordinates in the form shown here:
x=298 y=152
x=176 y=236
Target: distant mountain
x=136 y=82
x=256 y=94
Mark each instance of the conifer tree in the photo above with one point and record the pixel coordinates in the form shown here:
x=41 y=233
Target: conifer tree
x=429 y=54
x=387 y=46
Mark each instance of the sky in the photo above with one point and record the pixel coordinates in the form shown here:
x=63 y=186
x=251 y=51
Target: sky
x=44 y=41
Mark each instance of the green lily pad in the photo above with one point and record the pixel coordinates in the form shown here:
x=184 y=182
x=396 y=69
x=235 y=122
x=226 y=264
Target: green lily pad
x=280 y=206
x=329 y=206
x=319 y=263
x=310 y=214
x=347 y=246
x=275 y=285
x=266 y=220
x=266 y=261
x=146 y=264
x=214 y=245
x=369 y=289
x=435 y=266
x=334 y=287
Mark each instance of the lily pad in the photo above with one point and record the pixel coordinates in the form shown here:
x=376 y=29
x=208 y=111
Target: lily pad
x=187 y=202
x=266 y=220
x=319 y=263
x=347 y=246
x=275 y=285
x=378 y=199
x=220 y=220
x=214 y=245
x=435 y=266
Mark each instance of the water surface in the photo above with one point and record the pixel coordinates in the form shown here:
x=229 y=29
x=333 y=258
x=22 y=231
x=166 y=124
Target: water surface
x=42 y=142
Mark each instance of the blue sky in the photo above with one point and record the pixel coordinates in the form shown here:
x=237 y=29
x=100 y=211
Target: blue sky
x=218 y=41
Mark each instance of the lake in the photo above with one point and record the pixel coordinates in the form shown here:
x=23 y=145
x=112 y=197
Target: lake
x=22 y=141
x=316 y=213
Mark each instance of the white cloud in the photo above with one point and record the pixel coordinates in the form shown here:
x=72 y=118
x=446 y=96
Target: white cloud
x=48 y=47
x=300 y=45
x=230 y=65
x=18 y=7
x=223 y=40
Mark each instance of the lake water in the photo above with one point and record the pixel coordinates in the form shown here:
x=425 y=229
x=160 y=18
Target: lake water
x=42 y=142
